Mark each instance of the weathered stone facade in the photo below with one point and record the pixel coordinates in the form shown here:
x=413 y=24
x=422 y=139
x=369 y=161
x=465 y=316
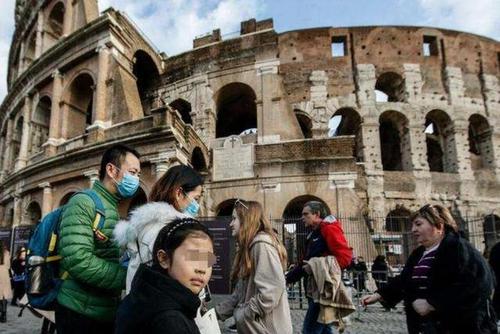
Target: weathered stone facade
x=419 y=113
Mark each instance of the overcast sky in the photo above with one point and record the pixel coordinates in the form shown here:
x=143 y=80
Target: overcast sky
x=173 y=24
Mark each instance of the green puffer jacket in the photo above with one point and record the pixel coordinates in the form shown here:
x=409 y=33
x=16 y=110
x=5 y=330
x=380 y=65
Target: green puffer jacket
x=95 y=280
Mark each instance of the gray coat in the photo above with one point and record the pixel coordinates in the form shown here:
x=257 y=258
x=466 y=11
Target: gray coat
x=259 y=303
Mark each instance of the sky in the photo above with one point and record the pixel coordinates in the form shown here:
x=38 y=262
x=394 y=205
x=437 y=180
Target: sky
x=172 y=24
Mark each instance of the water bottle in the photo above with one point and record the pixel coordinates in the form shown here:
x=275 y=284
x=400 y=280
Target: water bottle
x=35 y=272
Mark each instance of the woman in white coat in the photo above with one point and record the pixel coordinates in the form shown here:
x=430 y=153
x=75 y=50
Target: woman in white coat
x=174 y=196
x=259 y=302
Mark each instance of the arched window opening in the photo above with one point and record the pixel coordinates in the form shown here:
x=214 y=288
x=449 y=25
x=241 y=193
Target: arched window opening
x=394 y=141
x=184 y=108
x=236 y=110
x=33 y=213
x=305 y=123
x=491 y=227
x=198 y=162
x=390 y=84
x=56 y=20
x=16 y=141
x=148 y=76
x=30 y=49
x=66 y=198
x=40 y=124
x=440 y=146
x=225 y=209
x=480 y=142
x=347 y=122
x=80 y=108
x=398 y=242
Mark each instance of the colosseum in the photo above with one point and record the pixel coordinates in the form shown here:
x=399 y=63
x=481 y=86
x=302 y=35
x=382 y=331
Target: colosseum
x=373 y=121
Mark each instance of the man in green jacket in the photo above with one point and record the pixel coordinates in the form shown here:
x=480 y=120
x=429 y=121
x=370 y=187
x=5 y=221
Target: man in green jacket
x=90 y=293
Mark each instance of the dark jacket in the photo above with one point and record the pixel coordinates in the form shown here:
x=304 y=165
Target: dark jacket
x=328 y=239
x=495 y=265
x=157 y=304
x=460 y=283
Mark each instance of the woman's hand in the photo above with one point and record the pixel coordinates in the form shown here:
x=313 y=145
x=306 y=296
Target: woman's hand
x=367 y=300
x=422 y=307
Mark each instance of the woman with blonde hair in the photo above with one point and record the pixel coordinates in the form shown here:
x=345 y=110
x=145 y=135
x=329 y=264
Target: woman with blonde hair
x=259 y=303
x=446 y=284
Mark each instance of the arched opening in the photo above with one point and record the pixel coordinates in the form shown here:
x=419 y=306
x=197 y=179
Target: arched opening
x=148 y=76
x=347 y=122
x=33 y=213
x=184 y=108
x=236 y=110
x=40 y=124
x=480 y=144
x=225 y=208
x=198 y=161
x=294 y=230
x=398 y=243
x=55 y=23
x=80 y=106
x=66 y=198
x=394 y=141
x=491 y=227
x=305 y=123
x=438 y=133
x=30 y=49
x=16 y=140
x=390 y=84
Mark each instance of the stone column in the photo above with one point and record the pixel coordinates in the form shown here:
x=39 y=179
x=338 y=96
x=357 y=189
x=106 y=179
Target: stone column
x=2 y=158
x=461 y=134
x=21 y=59
x=413 y=82
x=39 y=35
x=47 y=197
x=455 y=85
x=18 y=215
x=266 y=71
x=366 y=78
x=101 y=93
x=319 y=93
x=68 y=18
x=8 y=147
x=25 y=136
x=55 y=115
x=93 y=176
x=161 y=164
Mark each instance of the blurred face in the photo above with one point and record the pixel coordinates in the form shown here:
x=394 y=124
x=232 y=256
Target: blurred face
x=191 y=264
x=310 y=219
x=184 y=198
x=22 y=254
x=235 y=225
x=426 y=234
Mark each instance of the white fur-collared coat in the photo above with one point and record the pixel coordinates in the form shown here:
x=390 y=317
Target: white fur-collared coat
x=139 y=232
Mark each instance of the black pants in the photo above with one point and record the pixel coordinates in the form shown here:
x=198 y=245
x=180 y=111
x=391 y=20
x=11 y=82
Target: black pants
x=18 y=291
x=70 y=322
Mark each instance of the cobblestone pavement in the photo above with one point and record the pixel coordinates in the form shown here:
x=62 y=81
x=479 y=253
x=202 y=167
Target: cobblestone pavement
x=374 y=320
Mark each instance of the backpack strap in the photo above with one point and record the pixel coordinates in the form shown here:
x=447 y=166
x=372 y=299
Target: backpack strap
x=100 y=214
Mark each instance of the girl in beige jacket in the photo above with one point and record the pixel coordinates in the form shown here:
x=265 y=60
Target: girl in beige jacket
x=259 y=303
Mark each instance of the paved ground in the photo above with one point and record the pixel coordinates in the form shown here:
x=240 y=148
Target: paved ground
x=374 y=320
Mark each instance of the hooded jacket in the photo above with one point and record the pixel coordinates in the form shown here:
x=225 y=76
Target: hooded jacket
x=139 y=232
x=157 y=304
x=259 y=303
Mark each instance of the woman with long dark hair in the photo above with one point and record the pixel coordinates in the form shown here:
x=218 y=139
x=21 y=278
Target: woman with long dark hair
x=446 y=284
x=175 y=195
x=5 y=286
x=18 y=265
x=259 y=302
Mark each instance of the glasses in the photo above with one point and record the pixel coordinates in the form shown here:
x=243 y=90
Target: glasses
x=238 y=201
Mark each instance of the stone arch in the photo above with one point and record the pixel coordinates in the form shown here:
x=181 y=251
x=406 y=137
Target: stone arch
x=236 y=109
x=347 y=122
x=480 y=142
x=66 y=197
x=397 y=223
x=491 y=229
x=55 y=21
x=392 y=85
x=80 y=104
x=184 y=108
x=33 y=213
x=305 y=123
x=294 y=207
x=441 y=155
x=199 y=162
x=225 y=208
x=40 y=124
x=147 y=77
x=394 y=141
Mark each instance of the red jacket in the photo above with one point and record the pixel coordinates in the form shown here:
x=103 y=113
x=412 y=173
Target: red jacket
x=331 y=231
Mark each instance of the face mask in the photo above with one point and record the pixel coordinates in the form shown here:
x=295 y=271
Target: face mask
x=127 y=186
x=192 y=208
